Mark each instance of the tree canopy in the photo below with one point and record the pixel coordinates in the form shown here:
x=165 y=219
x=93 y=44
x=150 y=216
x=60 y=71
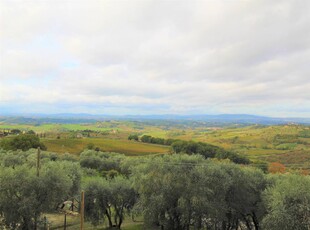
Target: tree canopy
x=177 y=191
x=23 y=142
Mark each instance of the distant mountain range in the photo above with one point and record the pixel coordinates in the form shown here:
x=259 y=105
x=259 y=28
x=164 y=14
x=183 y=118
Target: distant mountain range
x=90 y=118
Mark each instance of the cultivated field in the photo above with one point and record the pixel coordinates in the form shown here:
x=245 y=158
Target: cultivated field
x=126 y=147
x=286 y=144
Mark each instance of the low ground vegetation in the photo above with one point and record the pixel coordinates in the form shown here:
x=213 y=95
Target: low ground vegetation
x=23 y=142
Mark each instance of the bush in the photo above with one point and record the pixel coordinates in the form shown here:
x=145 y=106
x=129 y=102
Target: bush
x=133 y=137
x=23 y=142
x=90 y=146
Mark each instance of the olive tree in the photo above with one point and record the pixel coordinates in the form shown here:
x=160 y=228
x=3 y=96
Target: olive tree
x=109 y=199
x=165 y=188
x=180 y=191
x=24 y=195
x=288 y=203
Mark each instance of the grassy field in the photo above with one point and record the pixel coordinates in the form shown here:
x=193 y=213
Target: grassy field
x=287 y=144
x=126 y=147
x=110 y=136
x=56 y=221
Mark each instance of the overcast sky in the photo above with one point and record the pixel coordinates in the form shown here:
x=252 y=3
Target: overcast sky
x=155 y=57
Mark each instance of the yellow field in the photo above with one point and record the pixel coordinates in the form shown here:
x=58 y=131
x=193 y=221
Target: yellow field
x=76 y=146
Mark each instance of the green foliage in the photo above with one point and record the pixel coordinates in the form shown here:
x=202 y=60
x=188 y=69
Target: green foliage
x=243 y=197
x=286 y=146
x=161 y=183
x=23 y=142
x=180 y=190
x=146 y=138
x=96 y=200
x=108 y=199
x=288 y=203
x=134 y=137
x=207 y=150
x=90 y=146
x=191 y=147
x=234 y=157
x=31 y=132
x=73 y=172
x=157 y=140
x=260 y=165
x=12 y=159
x=15 y=131
x=24 y=196
x=101 y=161
x=304 y=133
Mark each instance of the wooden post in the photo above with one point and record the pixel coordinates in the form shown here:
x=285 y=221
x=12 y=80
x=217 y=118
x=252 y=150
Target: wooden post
x=82 y=210
x=45 y=222
x=38 y=161
x=65 y=222
x=72 y=204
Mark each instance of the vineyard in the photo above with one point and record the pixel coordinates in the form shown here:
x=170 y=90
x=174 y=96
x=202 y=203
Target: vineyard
x=285 y=144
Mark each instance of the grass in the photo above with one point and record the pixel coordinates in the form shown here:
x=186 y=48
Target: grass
x=283 y=143
x=73 y=222
x=100 y=126
x=126 y=147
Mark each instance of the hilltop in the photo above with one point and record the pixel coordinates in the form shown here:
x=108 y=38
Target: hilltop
x=220 y=119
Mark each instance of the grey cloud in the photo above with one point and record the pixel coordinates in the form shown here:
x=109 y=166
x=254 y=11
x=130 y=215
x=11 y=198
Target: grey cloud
x=184 y=55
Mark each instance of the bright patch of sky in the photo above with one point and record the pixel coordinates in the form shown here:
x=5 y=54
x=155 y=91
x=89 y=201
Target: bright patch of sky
x=155 y=57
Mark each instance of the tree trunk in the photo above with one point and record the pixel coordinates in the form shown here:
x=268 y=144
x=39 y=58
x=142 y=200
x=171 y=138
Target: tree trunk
x=237 y=224
x=27 y=224
x=120 y=222
x=198 y=223
x=108 y=214
x=224 y=225
x=255 y=221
